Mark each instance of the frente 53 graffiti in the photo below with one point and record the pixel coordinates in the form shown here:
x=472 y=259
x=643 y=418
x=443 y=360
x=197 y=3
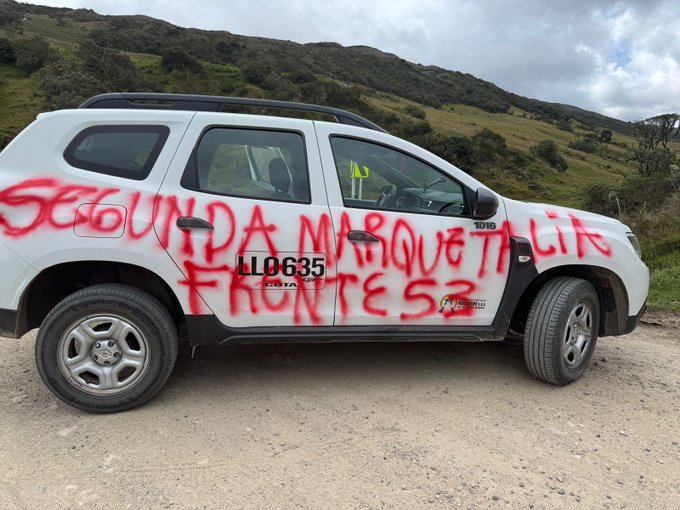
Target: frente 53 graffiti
x=131 y=224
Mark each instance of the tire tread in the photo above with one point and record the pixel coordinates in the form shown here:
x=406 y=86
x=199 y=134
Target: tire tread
x=544 y=327
x=125 y=296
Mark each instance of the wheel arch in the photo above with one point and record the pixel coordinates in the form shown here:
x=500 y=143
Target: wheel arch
x=610 y=290
x=56 y=282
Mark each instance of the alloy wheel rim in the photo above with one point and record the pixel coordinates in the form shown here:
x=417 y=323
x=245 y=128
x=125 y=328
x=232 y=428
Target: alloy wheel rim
x=577 y=334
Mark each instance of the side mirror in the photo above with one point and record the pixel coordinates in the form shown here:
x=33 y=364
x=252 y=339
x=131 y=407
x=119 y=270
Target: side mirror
x=486 y=204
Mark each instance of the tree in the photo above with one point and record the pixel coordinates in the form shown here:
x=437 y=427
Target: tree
x=652 y=136
x=667 y=126
x=32 y=54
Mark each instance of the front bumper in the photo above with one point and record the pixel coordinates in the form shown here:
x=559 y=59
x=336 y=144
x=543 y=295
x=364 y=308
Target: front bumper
x=633 y=320
x=8 y=323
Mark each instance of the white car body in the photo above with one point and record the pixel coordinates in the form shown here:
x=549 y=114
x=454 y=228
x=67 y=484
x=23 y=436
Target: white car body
x=428 y=274
x=559 y=236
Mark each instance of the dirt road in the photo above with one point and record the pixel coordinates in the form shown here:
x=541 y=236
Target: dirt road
x=357 y=426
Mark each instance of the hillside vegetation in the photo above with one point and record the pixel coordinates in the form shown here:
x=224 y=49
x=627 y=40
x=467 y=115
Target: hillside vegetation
x=524 y=148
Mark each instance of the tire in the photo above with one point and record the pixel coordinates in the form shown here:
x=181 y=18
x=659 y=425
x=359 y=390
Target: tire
x=561 y=330
x=106 y=348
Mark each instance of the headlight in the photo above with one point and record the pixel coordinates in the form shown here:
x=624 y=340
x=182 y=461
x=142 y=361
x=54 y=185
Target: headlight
x=634 y=241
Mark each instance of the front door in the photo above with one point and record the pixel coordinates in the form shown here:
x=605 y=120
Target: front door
x=408 y=250
x=243 y=213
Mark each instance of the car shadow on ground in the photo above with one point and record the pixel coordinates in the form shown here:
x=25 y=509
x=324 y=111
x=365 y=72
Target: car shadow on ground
x=263 y=367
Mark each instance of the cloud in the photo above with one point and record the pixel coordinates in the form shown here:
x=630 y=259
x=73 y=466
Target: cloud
x=645 y=83
x=620 y=58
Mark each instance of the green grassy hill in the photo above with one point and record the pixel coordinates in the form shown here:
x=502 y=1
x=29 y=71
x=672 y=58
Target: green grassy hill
x=490 y=133
x=537 y=181
x=21 y=99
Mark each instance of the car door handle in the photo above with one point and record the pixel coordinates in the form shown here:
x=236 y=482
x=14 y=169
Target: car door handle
x=191 y=222
x=362 y=236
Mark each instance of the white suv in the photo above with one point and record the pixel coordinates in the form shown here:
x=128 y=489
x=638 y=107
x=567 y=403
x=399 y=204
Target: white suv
x=138 y=217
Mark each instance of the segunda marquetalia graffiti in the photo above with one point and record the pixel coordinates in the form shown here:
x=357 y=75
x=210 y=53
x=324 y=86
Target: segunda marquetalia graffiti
x=234 y=262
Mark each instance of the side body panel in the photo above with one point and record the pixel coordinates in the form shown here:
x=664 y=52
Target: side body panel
x=219 y=275
x=53 y=213
x=425 y=269
x=567 y=237
x=16 y=273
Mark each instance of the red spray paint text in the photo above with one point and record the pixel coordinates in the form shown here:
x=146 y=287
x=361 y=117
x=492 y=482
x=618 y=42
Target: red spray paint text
x=414 y=259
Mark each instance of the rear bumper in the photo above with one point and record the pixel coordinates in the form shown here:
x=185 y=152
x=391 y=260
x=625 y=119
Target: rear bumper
x=8 y=323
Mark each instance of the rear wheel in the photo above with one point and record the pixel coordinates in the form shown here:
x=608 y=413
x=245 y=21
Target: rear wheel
x=561 y=330
x=106 y=348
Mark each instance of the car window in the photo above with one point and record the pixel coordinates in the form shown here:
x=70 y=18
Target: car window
x=123 y=151
x=253 y=164
x=373 y=176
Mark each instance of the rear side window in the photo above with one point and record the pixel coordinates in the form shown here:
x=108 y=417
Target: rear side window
x=121 y=151
x=250 y=163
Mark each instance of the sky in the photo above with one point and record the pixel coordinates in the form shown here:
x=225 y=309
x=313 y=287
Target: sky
x=619 y=58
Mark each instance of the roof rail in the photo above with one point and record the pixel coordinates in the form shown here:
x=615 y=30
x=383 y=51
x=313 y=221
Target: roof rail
x=192 y=102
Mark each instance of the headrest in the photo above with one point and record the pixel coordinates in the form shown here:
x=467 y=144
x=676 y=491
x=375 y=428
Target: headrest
x=278 y=175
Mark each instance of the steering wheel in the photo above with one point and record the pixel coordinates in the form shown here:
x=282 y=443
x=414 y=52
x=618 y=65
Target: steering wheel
x=452 y=209
x=386 y=194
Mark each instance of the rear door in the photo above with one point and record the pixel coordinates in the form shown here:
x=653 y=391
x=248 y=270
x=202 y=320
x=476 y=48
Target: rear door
x=409 y=251
x=243 y=213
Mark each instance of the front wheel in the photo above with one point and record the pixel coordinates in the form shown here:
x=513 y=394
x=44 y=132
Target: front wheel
x=561 y=330
x=106 y=348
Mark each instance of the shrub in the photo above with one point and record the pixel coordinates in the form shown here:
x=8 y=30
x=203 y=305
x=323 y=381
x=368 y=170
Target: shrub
x=491 y=137
x=656 y=162
x=67 y=84
x=564 y=125
x=547 y=151
x=635 y=195
x=32 y=54
x=177 y=59
x=487 y=144
x=587 y=144
x=301 y=76
x=280 y=87
x=454 y=149
x=415 y=111
x=7 y=54
x=343 y=97
x=9 y=15
x=256 y=73
x=411 y=129
x=602 y=199
x=111 y=67
x=606 y=136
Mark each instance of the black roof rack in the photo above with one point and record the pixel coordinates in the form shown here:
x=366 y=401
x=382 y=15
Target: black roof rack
x=191 y=102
